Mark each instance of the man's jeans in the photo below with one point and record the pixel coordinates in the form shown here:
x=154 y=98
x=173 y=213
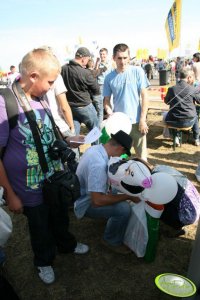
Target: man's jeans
x=187 y=123
x=86 y=115
x=98 y=104
x=117 y=215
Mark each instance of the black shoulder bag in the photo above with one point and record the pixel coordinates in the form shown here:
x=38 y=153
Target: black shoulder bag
x=63 y=187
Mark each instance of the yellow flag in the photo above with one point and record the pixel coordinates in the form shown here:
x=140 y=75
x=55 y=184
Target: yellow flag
x=173 y=25
x=145 y=54
x=199 y=45
x=80 y=40
x=142 y=54
x=139 y=54
x=162 y=53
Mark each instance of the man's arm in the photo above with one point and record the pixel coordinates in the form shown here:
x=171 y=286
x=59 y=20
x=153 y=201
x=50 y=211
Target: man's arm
x=100 y=199
x=144 y=109
x=168 y=96
x=196 y=94
x=66 y=110
x=107 y=105
x=97 y=63
x=97 y=72
x=12 y=200
x=92 y=84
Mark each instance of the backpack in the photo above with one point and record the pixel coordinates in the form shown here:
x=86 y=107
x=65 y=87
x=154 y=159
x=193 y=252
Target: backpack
x=11 y=106
x=185 y=207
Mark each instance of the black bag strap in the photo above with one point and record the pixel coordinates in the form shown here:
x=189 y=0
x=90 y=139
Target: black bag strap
x=11 y=106
x=33 y=124
x=56 y=129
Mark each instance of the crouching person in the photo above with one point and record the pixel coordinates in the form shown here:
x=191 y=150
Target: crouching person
x=95 y=200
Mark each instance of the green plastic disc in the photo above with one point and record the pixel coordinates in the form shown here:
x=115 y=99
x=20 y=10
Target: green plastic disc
x=175 y=285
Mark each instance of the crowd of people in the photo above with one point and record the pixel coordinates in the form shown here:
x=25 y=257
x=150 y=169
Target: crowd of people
x=80 y=92
x=152 y=66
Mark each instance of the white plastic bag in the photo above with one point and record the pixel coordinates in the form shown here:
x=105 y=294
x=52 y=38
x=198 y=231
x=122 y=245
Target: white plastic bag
x=5 y=226
x=136 y=235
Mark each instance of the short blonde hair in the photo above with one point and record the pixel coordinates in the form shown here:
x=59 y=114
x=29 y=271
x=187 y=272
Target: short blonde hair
x=41 y=60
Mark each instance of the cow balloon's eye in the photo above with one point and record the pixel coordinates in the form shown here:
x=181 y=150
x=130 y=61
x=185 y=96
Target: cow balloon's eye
x=127 y=171
x=132 y=173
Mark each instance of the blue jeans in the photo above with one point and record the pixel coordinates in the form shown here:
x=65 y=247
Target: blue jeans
x=98 y=104
x=117 y=215
x=187 y=123
x=86 y=115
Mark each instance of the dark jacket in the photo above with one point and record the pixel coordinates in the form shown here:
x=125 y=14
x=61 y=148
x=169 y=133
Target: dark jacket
x=181 y=99
x=80 y=83
x=148 y=67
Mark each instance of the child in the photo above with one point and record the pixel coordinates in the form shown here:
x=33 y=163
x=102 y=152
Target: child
x=20 y=171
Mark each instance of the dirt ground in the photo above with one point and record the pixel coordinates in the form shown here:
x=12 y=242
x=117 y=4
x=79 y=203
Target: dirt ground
x=101 y=274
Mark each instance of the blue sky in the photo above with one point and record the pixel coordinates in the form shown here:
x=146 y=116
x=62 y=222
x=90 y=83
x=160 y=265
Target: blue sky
x=61 y=23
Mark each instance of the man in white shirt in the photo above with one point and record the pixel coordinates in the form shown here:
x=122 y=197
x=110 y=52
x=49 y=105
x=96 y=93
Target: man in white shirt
x=60 y=108
x=12 y=75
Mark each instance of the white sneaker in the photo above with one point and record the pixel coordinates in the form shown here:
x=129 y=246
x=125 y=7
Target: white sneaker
x=46 y=274
x=197 y=173
x=81 y=248
x=196 y=142
x=177 y=141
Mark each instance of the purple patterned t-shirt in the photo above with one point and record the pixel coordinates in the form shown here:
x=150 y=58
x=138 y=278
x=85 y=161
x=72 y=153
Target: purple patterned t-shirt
x=20 y=158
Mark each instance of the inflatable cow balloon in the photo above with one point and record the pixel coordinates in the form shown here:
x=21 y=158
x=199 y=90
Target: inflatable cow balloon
x=133 y=177
x=128 y=176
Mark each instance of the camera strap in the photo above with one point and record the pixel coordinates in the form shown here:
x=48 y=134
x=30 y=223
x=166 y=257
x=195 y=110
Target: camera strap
x=56 y=129
x=25 y=104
